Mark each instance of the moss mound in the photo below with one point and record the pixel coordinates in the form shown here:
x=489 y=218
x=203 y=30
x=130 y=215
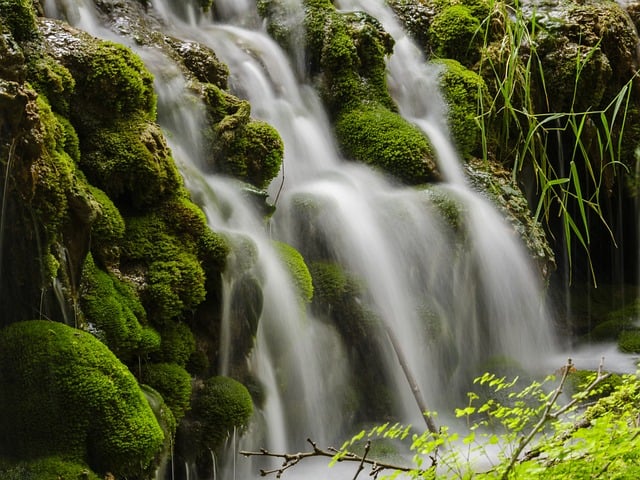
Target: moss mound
x=172 y=382
x=64 y=393
x=463 y=90
x=298 y=270
x=46 y=469
x=374 y=135
x=455 y=33
x=221 y=405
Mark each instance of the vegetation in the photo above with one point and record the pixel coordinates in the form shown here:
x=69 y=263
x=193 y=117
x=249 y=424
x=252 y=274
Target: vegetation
x=65 y=394
x=531 y=432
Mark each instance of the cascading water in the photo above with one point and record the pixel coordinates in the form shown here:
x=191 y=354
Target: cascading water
x=453 y=301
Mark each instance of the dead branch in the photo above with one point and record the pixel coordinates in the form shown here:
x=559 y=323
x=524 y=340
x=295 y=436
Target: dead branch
x=291 y=459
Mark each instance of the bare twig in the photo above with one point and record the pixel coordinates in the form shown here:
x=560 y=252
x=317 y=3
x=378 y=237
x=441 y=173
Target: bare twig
x=291 y=459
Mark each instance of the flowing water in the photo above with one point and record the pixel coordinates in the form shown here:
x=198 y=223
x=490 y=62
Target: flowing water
x=442 y=306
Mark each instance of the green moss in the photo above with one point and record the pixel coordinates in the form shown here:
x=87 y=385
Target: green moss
x=106 y=230
x=222 y=405
x=297 y=269
x=116 y=81
x=65 y=393
x=175 y=286
x=112 y=311
x=346 y=52
x=46 y=468
x=383 y=139
x=580 y=379
x=255 y=155
x=455 y=33
x=131 y=163
x=177 y=344
x=173 y=383
x=464 y=91
x=53 y=80
x=19 y=17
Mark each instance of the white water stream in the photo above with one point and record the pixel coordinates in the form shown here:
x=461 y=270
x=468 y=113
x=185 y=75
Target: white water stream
x=453 y=306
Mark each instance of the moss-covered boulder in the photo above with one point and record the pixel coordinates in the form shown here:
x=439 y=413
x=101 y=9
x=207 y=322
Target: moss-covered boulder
x=19 y=17
x=62 y=392
x=464 y=91
x=455 y=33
x=221 y=406
x=56 y=467
x=172 y=382
x=381 y=138
x=301 y=278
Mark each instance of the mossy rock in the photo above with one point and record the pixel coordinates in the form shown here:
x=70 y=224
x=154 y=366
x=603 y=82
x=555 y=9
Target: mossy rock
x=172 y=382
x=346 y=53
x=464 y=91
x=254 y=155
x=222 y=406
x=19 y=16
x=131 y=162
x=53 y=80
x=455 y=33
x=112 y=311
x=298 y=270
x=580 y=379
x=64 y=393
x=383 y=139
x=177 y=344
x=46 y=468
x=107 y=230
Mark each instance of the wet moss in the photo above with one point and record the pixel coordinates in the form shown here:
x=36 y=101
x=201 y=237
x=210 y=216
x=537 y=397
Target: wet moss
x=46 y=468
x=455 y=33
x=64 y=393
x=172 y=382
x=374 y=135
x=177 y=344
x=298 y=269
x=464 y=91
x=19 y=16
x=106 y=230
x=222 y=405
x=112 y=310
x=131 y=162
x=53 y=80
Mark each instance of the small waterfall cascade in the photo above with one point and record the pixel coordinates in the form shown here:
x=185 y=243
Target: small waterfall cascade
x=453 y=305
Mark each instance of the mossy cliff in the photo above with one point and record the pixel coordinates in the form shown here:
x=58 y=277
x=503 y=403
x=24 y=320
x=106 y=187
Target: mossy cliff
x=99 y=236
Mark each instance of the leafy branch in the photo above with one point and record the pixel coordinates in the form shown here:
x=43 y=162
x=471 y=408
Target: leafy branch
x=610 y=422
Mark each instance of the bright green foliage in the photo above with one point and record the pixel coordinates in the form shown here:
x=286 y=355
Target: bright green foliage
x=298 y=270
x=113 y=310
x=174 y=384
x=62 y=392
x=376 y=136
x=20 y=17
x=463 y=91
x=530 y=433
x=455 y=34
x=46 y=468
x=222 y=405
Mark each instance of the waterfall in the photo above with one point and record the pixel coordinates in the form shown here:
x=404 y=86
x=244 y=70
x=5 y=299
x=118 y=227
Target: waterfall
x=454 y=306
